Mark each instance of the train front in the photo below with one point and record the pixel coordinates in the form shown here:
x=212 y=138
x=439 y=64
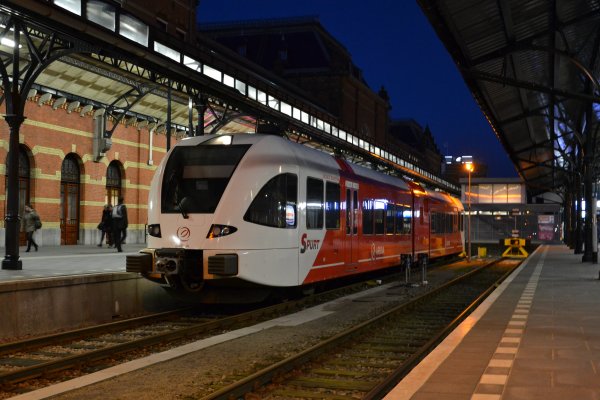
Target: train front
x=201 y=238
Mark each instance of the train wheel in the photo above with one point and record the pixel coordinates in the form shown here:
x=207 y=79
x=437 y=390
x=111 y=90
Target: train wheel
x=191 y=286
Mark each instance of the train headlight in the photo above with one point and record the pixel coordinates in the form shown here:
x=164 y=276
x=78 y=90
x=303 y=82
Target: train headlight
x=154 y=230
x=216 y=231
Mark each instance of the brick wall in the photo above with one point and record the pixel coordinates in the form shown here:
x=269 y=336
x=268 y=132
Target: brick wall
x=50 y=135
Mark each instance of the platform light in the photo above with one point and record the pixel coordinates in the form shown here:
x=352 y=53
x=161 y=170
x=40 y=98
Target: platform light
x=469 y=167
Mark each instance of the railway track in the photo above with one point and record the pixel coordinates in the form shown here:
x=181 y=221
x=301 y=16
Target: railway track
x=45 y=356
x=84 y=350
x=368 y=360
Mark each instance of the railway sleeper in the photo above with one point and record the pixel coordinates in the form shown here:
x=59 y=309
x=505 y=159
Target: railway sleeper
x=361 y=355
x=364 y=363
x=357 y=373
x=21 y=362
x=337 y=384
x=399 y=342
x=305 y=394
x=406 y=348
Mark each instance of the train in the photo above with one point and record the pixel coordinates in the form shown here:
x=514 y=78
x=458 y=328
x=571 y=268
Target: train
x=239 y=216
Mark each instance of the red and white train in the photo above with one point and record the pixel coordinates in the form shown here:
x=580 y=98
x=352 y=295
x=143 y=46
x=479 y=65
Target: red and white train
x=231 y=215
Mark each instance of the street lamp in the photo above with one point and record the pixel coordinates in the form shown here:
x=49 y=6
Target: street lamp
x=469 y=168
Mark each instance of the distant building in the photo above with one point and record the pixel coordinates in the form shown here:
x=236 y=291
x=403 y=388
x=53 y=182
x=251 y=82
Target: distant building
x=453 y=168
x=302 y=52
x=418 y=143
x=499 y=209
x=175 y=17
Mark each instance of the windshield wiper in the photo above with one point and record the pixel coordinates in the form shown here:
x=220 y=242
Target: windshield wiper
x=181 y=208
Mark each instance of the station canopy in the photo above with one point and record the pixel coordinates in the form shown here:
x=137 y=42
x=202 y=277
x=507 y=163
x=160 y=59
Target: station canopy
x=532 y=66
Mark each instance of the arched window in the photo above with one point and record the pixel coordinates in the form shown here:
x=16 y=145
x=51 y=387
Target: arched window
x=69 y=171
x=113 y=182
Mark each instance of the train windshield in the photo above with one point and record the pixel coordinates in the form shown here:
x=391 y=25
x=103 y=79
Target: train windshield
x=196 y=177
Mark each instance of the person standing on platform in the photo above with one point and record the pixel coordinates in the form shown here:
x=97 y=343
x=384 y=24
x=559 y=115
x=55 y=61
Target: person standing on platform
x=119 y=223
x=105 y=225
x=30 y=223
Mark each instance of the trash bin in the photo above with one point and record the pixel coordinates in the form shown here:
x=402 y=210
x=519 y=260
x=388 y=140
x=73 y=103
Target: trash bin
x=482 y=252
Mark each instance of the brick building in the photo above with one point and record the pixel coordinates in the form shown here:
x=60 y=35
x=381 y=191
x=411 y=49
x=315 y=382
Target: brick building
x=302 y=52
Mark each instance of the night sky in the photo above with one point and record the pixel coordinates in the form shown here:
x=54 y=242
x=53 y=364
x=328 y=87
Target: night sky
x=393 y=44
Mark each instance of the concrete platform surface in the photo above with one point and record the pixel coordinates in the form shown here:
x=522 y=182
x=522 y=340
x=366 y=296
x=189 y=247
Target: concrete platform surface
x=536 y=337
x=52 y=261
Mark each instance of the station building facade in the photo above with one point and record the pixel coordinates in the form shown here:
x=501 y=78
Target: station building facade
x=59 y=175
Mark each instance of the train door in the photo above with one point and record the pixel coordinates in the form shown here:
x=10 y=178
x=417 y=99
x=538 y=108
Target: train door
x=351 y=248
x=69 y=201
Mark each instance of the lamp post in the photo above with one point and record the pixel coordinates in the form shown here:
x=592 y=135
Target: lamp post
x=469 y=168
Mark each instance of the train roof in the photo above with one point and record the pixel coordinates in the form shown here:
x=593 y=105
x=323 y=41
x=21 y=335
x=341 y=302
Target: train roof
x=312 y=156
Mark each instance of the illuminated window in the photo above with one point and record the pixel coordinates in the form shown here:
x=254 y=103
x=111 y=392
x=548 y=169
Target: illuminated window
x=367 y=220
x=192 y=64
x=332 y=205
x=212 y=73
x=133 y=29
x=228 y=80
x=73 y=6
x=101 y=13
x=485 y=193
x=167 y=51
x=500 y=193
x=314 y=203
x=514 y=193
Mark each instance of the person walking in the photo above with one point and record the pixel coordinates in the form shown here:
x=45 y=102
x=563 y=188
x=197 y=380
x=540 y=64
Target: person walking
x=105 y=225
x=30 y=222
x=119 y=224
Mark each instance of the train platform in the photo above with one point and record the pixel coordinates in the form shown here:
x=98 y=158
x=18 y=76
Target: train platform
x=536 y=337
x=54 y=261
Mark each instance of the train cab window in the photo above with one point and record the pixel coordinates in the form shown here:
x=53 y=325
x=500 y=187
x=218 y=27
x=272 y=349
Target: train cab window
x=314 y=203
x=367 y=213
x=379 y=216
x=332 y=205
x=275 y=203
x=195 y=177
x=390 y=219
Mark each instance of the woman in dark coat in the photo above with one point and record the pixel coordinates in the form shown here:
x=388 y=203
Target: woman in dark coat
x=105 y=225
x=28 y=224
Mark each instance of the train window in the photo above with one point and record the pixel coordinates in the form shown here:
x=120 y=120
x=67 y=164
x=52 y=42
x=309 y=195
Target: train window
x=275 y=203
x=399 y=220
x=332 y=205
x=390 y=219
x=355 y=212
x=348 y=211
x=407 y=220
x=379 y=217
x=196 y=177
x=367 y=220
x=314 y=203
x=441 y=223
